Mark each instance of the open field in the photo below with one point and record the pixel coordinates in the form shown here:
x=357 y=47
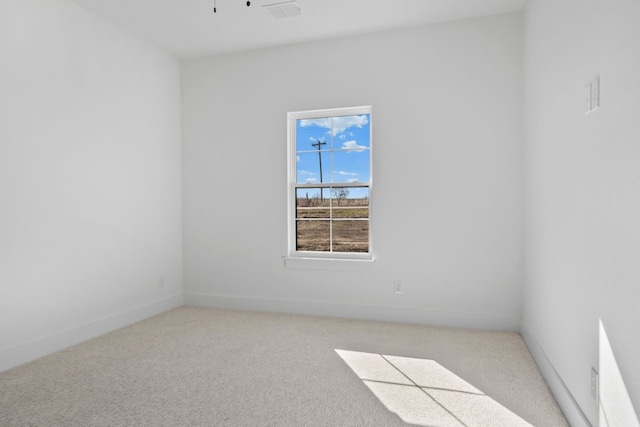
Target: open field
x=341 y=222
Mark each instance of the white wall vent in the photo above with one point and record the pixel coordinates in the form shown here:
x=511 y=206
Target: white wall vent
x=287 y=9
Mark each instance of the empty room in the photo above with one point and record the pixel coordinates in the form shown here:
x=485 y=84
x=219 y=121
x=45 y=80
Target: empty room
x=320 y=213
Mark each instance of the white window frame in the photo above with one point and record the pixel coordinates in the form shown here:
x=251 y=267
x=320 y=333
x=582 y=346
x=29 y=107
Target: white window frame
x=292 y=118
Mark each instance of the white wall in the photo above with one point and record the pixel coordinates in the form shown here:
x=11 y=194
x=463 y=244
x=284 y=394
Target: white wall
x=582 y=192
x=90 y=197
x=447 y=155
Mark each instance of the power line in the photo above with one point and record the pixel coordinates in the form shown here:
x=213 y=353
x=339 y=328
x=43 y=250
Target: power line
x=319 y=144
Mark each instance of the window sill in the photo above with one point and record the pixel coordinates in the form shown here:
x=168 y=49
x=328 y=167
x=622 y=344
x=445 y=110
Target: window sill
x=334 y=264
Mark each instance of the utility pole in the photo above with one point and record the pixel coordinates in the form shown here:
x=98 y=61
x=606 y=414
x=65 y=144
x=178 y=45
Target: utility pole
x=319 y=145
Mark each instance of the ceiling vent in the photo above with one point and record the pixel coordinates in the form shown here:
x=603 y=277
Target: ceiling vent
x=287 y=9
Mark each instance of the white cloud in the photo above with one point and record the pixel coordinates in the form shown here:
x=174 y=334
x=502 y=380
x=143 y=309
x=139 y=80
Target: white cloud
x=323 y=123
x=311 y=180
x=340 y=124
x=353 y=146
x=297 y=158
x=351 y=181
x=303 y=172
x=346 y=173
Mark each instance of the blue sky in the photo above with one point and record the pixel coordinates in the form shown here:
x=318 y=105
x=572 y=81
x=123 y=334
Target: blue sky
x=345 y=154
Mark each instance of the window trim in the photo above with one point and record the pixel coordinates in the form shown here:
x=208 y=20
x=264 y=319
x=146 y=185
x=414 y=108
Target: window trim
x=292 y=118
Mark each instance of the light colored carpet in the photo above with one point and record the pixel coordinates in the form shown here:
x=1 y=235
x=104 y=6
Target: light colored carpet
x=205 y=367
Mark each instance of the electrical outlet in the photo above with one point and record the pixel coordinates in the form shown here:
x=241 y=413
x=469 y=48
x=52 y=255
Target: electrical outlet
x=397 y=286
x=595 y=385
x=587 y=99
x=591 y=96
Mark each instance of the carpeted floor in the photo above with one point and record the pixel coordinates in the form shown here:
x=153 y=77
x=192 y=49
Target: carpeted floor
x=206 y=367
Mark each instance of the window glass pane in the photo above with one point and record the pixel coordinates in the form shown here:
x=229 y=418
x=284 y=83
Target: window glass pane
x=308 y=167
x=313 y=235
x=332 y=177
x=359 y=193
x=312 y=203
x=352 y=132
x=350 y=236
x=351 y=166
x=350 y=202
x=313 y=131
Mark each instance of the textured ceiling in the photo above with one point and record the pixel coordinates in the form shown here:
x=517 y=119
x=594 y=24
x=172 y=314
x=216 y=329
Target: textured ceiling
x=189 y=28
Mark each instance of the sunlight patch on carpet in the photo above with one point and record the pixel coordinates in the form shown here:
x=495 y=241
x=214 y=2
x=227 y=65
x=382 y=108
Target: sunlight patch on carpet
x=423 y=392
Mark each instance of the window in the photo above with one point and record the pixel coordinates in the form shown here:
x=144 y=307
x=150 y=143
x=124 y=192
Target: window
x=330 y=183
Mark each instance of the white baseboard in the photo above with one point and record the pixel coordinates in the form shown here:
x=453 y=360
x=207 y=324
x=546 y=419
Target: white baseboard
x=357 y=311
x=568 y=404
x=35 y=349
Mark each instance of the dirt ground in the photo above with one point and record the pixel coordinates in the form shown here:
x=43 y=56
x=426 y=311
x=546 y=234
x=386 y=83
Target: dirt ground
x=345 y=221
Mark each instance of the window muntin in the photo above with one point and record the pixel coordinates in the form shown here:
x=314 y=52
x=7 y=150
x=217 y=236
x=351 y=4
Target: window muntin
x=330 y=183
